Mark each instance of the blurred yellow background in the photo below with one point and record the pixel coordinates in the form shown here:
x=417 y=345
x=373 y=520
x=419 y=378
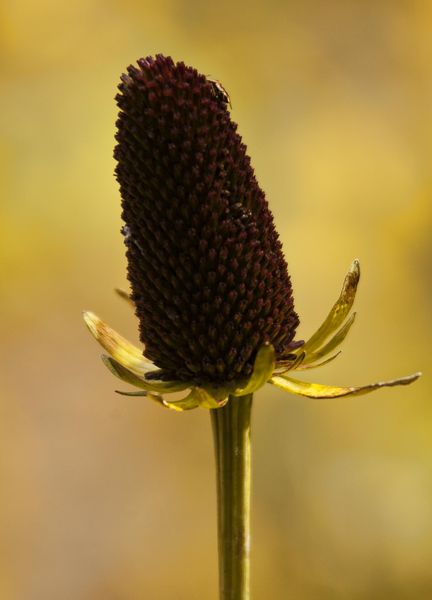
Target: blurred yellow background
x=111 y=498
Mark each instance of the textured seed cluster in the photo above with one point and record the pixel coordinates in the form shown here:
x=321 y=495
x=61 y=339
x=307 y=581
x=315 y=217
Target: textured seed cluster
x=207 y=272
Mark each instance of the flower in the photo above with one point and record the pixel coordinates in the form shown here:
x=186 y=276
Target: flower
x=209 y=281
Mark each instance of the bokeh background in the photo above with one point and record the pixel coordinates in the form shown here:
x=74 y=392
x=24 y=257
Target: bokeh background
x=111 y=498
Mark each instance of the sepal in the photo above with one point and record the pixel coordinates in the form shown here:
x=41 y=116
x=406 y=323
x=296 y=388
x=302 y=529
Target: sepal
x=262 y=371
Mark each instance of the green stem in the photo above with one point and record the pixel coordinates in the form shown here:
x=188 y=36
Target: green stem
x=231 y=432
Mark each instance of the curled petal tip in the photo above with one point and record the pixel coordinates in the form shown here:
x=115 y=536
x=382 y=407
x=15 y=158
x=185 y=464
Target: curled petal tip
x=355 y=266
x=336 y=316
x=410 y=378
x=352 y=277
x=128 y=355
x=95 y=325
x=89 y=319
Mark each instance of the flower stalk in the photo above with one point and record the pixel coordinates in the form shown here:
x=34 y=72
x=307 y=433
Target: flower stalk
x=232 y=442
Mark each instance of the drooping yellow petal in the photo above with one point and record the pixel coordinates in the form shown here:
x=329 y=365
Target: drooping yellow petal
x=117 y=346
x=334 y=342
x=262 y=371
x=177 y=406
x=186 y=403
x=189 y=402
x=162 y=387
x=197 y=397
x=156 y=398
x=142 y=393
x=339 y=311
x=316 y=390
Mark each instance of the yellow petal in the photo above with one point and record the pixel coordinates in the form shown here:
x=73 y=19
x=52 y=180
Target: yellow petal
x=339 y=311
x=117 y=346
x=335 y=341
x=125 y=296
x=303 y=367
x=197 y=397
x=262 y=371
x=283 y=366
x=163 y=387
x=211 y=400
x=219 y=394
x=189 y=402
x=179 y=405
x=316 y=390
x=155 y=397
x=137 y=393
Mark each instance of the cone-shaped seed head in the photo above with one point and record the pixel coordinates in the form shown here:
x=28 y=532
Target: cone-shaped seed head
x=206 y=268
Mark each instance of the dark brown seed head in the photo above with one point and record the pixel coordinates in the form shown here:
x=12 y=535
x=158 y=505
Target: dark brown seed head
x=205 y=264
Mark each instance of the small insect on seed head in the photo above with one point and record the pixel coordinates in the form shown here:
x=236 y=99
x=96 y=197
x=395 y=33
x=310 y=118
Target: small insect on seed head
x=219 y=91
